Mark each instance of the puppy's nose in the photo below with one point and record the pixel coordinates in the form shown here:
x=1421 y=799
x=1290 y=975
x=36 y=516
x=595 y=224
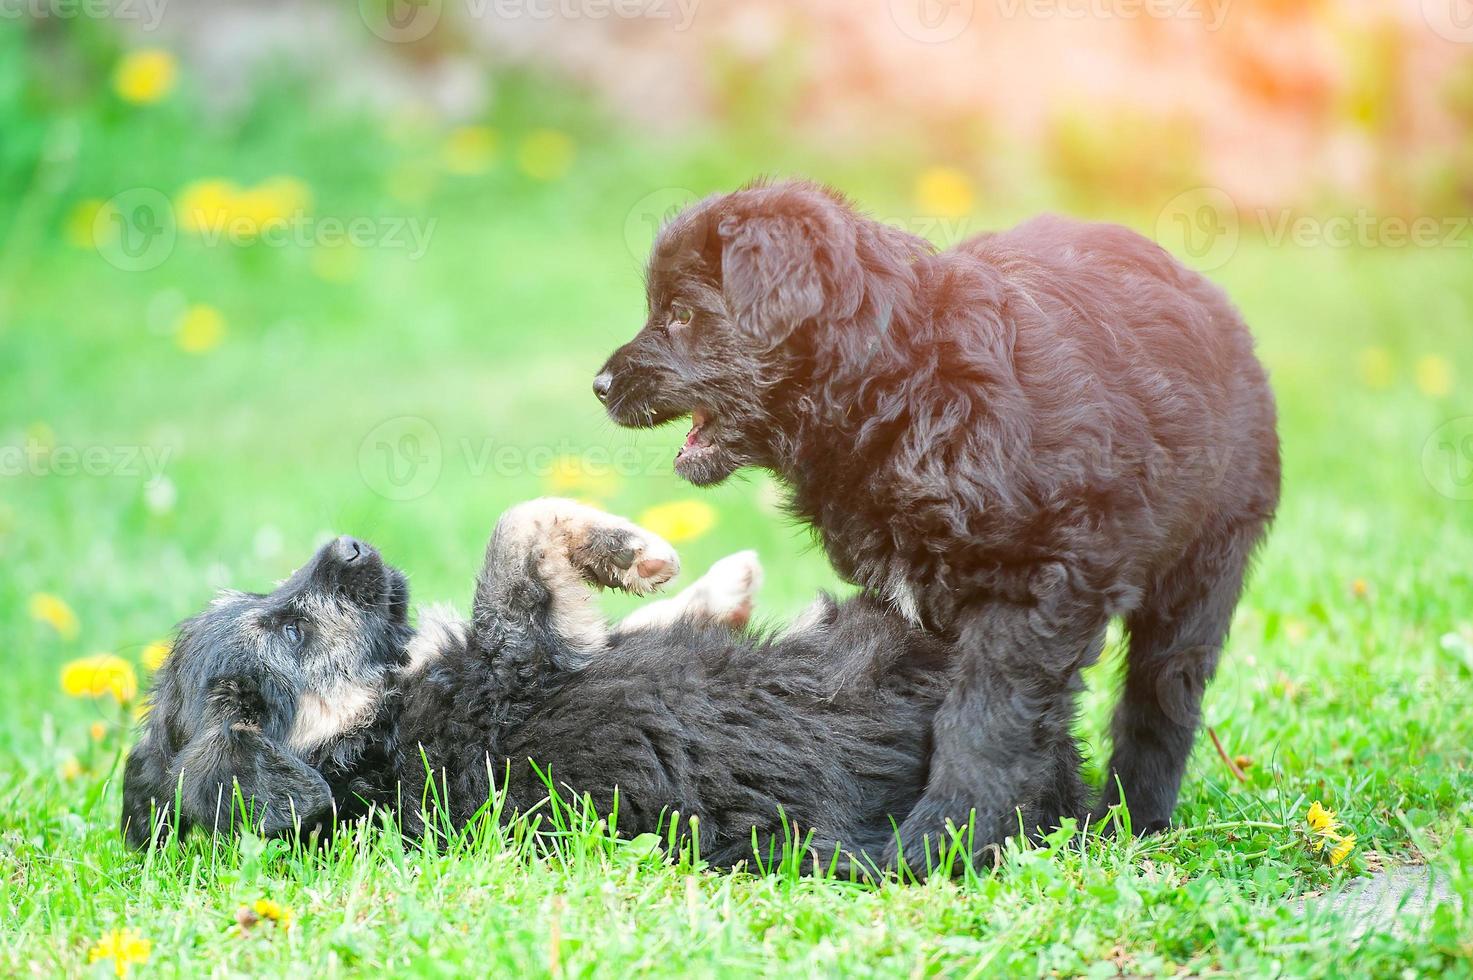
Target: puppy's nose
x=348 y=550
x=602 y=384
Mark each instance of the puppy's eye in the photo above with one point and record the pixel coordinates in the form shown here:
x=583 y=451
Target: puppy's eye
x=681 y=316
x=292 y=633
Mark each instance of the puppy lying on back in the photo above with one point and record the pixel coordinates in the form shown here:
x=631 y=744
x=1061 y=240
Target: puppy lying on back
x=318 y=700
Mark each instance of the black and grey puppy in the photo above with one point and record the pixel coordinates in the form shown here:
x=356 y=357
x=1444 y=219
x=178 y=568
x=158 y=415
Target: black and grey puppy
x=275 y=697
x=824 y=726
x=1011 y=441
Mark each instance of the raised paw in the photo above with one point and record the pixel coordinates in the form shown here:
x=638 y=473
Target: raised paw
x=621 y=555
x=728 y=591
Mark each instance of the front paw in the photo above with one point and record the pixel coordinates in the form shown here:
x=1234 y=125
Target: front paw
x=938 y=836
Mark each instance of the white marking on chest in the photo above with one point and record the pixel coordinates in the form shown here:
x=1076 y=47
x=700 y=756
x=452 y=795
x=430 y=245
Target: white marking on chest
x=902 y=596
x=323 y=717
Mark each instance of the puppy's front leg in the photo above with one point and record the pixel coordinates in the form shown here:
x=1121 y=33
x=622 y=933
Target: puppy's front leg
x=543 y=556
x=232 y=751
x=1003 y=739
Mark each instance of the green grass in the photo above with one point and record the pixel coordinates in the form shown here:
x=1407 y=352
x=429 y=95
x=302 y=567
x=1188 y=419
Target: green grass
x=1357 y=697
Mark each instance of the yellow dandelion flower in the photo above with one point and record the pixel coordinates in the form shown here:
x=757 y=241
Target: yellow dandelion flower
x=679 y=520
x=99 y=675
x=272 y=911
x=206 y=206
x=1320 y=819
x=469 y=150
x=54 y=612
x=1377 y=369
x=124 y=947
x=145 y=76
x=573 y=475
x=200 y=329
x=82 y=225
x=98 y=730
x=70 y=769
x=546 y=154
x=270 y=202
x=1342 y=850
x=1360 y=588
x=945 y=192
x=1434 y=376
x=154 y=655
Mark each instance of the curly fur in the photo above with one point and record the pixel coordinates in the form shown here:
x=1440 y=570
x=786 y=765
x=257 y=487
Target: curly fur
x=1011 y=442
x=823 y=729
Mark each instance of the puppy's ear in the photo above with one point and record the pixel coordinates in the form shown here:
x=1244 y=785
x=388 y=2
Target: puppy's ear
x=790 y=261
x=231 y=752
x=770 y=274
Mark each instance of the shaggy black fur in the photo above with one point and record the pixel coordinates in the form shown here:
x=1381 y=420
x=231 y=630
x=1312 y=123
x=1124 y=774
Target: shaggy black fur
x=229 y=707
x=1011 y=441
x=827 y=724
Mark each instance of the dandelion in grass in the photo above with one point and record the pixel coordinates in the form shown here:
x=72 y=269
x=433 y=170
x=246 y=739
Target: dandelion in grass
x=270 y=203
x=679 y=520
x=945 y=192
x=265 y=910
x=200 y=329
x=125 y=948
x=205 y=206
x=54 y=612
x=154 y=655
x=546 y=154
x=100 y=675
x=469 y=150
x=1324 y=832
x=1434 y=376
x=70 y=769
x=574 y=476
x=97 y=730
x=145 y=76
x=1321 y=819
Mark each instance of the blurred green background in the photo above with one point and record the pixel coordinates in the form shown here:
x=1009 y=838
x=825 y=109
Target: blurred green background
x=272 y=272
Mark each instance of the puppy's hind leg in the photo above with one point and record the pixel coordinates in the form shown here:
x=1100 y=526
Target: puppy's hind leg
x=1175 y=641
x=725 y=596
x=542 y=558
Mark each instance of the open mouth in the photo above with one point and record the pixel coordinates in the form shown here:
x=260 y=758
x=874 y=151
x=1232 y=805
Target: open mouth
x=699 y=441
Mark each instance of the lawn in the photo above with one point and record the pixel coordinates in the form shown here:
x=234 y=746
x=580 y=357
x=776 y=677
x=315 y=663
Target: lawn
x=291 y=391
